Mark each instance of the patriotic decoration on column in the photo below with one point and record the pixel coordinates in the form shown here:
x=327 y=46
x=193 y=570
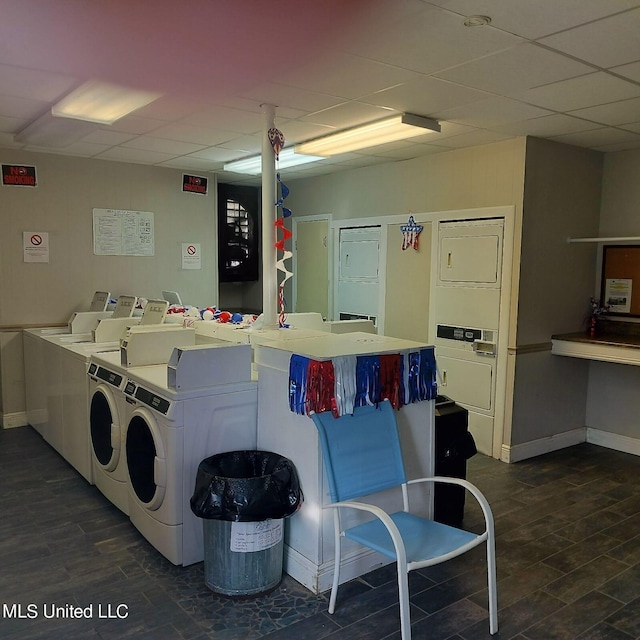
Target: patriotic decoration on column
x=276 y=138
x=410 y=233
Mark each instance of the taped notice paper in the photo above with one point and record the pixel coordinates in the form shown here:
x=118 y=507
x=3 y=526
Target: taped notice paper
x=617 y=295
x=247 y=537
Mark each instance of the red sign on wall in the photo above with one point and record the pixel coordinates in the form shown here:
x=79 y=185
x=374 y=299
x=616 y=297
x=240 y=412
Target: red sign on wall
x=17 y=175
x=194 y=184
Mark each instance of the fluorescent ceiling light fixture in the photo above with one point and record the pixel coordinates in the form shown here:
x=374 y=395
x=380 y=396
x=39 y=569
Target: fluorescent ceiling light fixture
x=399 y=127
x=253 y=165
x=101 y=102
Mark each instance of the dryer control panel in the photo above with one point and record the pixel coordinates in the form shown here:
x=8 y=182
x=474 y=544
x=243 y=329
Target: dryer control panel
x=480 y=341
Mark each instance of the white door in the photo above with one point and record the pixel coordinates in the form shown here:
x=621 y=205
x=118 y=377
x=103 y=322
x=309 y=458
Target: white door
x=359 y=275
x=466 y=318
x=311 y=266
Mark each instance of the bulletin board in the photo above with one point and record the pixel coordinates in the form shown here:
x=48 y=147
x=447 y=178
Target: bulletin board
x=117 y=232
x=620 y=287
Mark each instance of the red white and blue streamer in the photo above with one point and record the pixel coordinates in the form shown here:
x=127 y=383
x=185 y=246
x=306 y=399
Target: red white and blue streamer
x=346 y=382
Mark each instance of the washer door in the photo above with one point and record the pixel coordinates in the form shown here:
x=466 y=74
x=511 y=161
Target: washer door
x=105 y=428
x=146 y=461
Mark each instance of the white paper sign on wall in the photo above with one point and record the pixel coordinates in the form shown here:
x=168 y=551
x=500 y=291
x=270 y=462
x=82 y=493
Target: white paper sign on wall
x=35 y=246
x=191 y=256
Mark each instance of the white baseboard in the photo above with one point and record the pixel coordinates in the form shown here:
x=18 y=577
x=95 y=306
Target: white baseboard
x=568 y=439
x=318 y=578
x=543 y=445
x=11 y=420
x=614 y=441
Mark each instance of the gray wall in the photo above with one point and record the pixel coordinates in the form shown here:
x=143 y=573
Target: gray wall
x=61 y=205
x=614 y=402
x=561 y=199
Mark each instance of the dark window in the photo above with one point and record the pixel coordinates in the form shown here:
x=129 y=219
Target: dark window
x=238 y=233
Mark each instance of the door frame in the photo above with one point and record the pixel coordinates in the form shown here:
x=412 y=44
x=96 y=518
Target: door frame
x=294 y=259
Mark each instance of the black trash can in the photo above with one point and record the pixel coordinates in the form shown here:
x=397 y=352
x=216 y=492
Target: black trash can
x=242 y=497
x=454 y=445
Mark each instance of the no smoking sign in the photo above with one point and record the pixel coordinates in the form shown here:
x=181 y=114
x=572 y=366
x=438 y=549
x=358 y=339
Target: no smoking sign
x=191 y=255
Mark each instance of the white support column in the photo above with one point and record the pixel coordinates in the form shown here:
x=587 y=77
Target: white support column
x=269 y=253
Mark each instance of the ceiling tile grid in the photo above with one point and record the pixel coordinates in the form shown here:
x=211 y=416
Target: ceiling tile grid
x=567 y=70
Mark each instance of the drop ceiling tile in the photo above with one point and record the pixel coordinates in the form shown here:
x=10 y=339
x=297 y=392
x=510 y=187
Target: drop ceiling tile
x=192 y=164
x=631 y=71
x=124 y=154
x=536 y=19
x=623 y=146
x=295 y=131
x=213 y=154
x=136 y=125
x=424 y=96
x=12 y=125
x=149 y=143
x=546 y=126
x=614 y=113
x=344 y=75
x=584 y=91
x=427 y=40
x=106 y=137
x=298 y=101
x=84 y=149
x=22 y=108
x=189 y=133
x=244 y=145
x=509 y=72
x=35 y=85
x=492 y=112
x=635 y=126
x=607 y=43
x=171 y=107
x=447 y=129
x=472 y=139
x=219 y=117
x=347 y=114
x=598 y=137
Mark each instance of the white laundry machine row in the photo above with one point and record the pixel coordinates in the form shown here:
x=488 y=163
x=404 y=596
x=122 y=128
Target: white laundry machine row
x=168 y=434
x=106 y=418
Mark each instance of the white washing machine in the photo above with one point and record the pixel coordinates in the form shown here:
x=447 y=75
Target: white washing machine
x=107 y=424
x=171 y=430
x=108 y=410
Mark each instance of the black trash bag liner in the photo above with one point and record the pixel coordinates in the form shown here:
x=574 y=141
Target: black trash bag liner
x=462 y=449
x=246 y=486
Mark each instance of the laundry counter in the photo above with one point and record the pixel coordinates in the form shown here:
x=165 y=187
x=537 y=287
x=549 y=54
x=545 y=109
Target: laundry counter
x=309 y=553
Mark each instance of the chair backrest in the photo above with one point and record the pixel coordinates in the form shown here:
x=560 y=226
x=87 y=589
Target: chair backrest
x=362 y=453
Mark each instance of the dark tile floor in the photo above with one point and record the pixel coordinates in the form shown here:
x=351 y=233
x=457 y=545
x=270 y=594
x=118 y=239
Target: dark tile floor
x=568 y=527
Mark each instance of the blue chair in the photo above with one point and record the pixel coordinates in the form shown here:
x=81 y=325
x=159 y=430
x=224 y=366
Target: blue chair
x=362 y=456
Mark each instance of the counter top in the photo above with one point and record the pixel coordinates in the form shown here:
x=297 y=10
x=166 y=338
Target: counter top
x=329 y=345
x=612 y=339
x=606 y=346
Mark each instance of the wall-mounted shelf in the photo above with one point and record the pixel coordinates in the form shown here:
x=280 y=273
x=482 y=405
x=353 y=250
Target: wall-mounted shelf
x=621 y=239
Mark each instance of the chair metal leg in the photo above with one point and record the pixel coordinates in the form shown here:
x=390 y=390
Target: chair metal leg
x=337 y=550
x=492 y=587
x=403 y=593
